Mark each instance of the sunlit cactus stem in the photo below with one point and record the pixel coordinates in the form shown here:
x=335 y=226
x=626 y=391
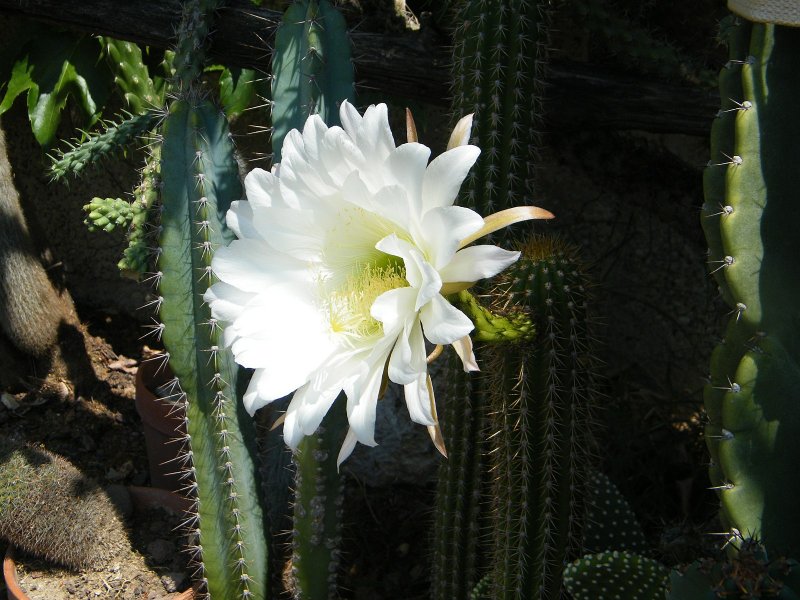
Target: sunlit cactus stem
x=199 y=179
x=752 y=398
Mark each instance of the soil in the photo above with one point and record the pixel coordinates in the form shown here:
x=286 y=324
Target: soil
x=94 y=425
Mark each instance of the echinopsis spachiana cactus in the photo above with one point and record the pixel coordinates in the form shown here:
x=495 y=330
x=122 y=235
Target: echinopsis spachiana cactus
x=312 y=73
x=749 y=217
x=199 y=179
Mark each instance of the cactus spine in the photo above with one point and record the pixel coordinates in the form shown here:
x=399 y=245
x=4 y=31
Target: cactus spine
x=755 y=376
x=312 y=74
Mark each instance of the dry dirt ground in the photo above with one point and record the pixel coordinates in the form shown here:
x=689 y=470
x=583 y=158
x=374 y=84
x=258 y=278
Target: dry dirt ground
x=96 y=427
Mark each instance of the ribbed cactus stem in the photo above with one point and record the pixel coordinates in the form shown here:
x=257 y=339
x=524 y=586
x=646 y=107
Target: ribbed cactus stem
x=752 y=398
x=200 y=178
x=193 y=32
x=319 y=496
x=312 y=72
x=499 y=56
x=540 y=422
x=459 y=512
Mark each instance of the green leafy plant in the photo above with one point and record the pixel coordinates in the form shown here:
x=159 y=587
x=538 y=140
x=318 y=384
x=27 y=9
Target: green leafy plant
x=50 y=69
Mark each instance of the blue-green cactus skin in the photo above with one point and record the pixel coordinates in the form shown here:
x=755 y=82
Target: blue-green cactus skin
x=312 y=71
x=200 y=179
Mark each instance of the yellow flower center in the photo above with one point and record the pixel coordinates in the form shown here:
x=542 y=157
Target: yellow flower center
x=349 y=306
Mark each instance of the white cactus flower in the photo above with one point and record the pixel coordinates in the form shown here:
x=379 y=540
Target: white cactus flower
x=344 y=256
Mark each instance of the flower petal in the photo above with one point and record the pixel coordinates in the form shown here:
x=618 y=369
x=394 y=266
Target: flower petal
x=406 y=165
x=461 y=133
x=253 y=266
x=504 y=218
x=394 y=308
x=477 y=262
x=418 y=400
x=408 y=358
x=444 y=323
x=463 y=348
x=444 y=228
x=445 y=174
x=347 y=447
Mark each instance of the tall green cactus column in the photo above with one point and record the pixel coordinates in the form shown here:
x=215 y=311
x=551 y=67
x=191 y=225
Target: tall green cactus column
x=200 y=178
x=498 y=58
x=752 y=400
x=541 y=445
x=312 y=73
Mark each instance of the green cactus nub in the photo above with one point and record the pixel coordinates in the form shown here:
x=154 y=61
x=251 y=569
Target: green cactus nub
x=131 y=75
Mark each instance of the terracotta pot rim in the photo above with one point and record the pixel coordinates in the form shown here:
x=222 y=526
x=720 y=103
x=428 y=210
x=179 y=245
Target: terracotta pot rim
x=143 y=497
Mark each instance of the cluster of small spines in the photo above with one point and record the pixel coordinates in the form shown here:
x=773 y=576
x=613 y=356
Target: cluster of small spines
x=616 y=576
x=499 y=54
